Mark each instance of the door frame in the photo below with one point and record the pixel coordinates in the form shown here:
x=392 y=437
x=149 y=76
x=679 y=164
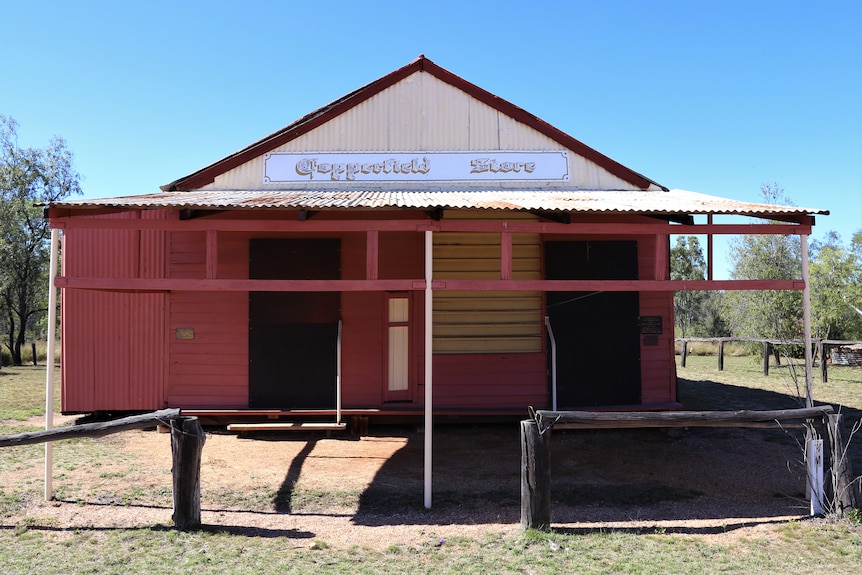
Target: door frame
x=407 y=363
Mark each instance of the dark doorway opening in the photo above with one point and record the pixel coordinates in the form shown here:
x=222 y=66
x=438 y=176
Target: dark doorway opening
x=597 y=333
x=293 y=335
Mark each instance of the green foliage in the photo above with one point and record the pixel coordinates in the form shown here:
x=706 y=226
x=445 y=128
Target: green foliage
x=687 y=263
x=766 y=313
x=696 y=313
x=836 y=288
x=28 y=177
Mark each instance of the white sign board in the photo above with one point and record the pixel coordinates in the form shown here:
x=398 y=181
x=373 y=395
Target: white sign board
x=497 y=165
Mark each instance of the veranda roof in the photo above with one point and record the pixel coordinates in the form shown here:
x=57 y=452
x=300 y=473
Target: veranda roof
x=671 y=202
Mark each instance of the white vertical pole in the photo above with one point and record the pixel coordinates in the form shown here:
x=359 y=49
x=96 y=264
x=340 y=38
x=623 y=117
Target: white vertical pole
x=814 y=468
x=553 y=363
x=338 y=375
x=806 y=322
x=429 y=351
x=49 y=365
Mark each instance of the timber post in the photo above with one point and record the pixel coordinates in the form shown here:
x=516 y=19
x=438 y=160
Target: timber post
x=535 y=477
x=187 y=442
x=845 y=489
x=821 y=351
x=684 y=354
x=721 y=355
x=765 y=358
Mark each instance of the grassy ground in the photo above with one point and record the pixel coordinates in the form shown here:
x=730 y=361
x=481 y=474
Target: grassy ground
x=799 y=547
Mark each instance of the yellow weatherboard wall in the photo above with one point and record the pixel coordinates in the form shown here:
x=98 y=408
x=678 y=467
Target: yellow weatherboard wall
x=486 y=322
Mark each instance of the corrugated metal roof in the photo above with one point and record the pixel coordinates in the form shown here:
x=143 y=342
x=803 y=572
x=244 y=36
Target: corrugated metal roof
x=584 y=201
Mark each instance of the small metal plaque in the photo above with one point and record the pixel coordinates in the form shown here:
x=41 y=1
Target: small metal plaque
x=185 y=333
x=651 y=324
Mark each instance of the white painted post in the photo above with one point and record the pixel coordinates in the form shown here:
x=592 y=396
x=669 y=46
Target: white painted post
x=553 y=363
x=49 y=363
x=806 y=322
x=429 y=355
x=814 y=470
x=338 y=374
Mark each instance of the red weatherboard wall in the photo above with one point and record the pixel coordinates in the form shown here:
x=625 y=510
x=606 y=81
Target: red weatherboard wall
x=113 y=343
x=121 y=352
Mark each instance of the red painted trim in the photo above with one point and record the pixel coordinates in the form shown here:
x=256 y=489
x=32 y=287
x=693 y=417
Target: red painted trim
x=319 y=117
x=541 y=126
x=618 y=285
x=155 y=284
x=506 y=256
x=302 y=126
x=216 y=285
x=662 y=254
x=372 y=249
x=323 y=225
x=212 y=254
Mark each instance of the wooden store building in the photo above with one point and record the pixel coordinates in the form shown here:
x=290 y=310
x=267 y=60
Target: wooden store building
x=417 y=247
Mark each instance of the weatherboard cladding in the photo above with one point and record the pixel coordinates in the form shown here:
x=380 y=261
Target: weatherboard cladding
x=125 y=346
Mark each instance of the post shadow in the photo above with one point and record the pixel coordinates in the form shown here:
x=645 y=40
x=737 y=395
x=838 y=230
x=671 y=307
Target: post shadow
x=284 y=495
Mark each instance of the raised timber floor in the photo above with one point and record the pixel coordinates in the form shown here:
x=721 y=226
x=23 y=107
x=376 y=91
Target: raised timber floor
x=287 y=426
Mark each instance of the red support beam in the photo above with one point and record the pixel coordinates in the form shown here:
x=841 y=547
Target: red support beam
x=160 y=284
x=212 y=254
x=506 y=256
x=372 y=242
x=323 y=225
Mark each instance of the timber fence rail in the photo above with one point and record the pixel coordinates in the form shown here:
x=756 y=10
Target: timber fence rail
x=770 y=346
x=187 y=440
x=536 y=452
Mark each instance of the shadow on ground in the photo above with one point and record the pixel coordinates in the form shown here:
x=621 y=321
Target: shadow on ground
x=606 y=475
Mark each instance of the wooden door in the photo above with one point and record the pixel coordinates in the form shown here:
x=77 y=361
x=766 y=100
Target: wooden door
x=399 y=349
x=597 y=334
x=293 y=335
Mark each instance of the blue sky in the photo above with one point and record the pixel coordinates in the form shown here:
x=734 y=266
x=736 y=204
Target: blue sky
x=717 y=97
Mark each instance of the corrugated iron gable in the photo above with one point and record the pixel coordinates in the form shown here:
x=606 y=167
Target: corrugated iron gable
x=422 y=65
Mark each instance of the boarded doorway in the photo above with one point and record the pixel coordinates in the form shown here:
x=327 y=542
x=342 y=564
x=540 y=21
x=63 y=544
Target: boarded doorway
x=597 y=333
x=293 y=335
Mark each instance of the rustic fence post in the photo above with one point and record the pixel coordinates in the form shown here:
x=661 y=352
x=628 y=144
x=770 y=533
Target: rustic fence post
x=187 y=442
x=765 y=358
x=821 y=351
x=684 y=352
x=721 y=355
x=535 y=477
x=845 y=491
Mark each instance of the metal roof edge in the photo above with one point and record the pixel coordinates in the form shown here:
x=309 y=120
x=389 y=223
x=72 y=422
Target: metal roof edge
x=341 y=105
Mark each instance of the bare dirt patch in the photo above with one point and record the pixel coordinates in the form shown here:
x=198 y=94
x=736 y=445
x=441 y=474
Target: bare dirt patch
x=368 y=491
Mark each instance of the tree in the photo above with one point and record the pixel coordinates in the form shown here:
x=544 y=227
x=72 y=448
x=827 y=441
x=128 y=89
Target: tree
x=766 y=313
x=687 y=263
x=28 y=176
x=836 y=288
x=696 y=313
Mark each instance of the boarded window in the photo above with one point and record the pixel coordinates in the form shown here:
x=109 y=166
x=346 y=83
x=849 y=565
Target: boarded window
x=486 y=322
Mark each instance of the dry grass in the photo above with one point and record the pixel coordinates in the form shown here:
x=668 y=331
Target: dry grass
x=702 y=501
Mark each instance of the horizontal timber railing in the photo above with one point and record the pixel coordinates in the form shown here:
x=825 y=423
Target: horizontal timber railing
x=535 y=446
x=187 y=440
x=770 y=346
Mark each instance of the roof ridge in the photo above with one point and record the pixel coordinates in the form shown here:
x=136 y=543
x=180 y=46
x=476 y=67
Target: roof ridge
x=347 y=102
